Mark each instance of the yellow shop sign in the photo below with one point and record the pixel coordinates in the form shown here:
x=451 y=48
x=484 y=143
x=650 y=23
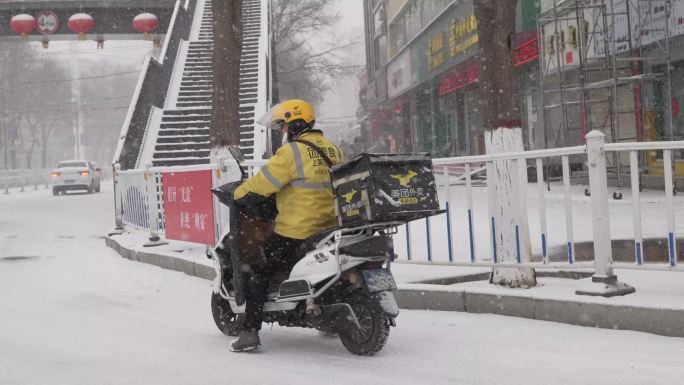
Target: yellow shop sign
x=463 y=34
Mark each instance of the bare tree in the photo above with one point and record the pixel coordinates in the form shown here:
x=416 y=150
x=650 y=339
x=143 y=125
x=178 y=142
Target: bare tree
x=225 y=129
x=39 y=120
x=16 y=61
x=501 y=119
x=302 y=70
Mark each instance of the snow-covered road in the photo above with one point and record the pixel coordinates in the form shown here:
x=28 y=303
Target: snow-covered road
x=73 y=312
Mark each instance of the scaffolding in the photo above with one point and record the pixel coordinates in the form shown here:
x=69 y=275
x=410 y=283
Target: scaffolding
x=617 y=44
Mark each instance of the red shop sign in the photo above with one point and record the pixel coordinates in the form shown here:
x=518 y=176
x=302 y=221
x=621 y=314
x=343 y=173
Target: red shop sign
x=526 y=52
x=189 y=206
x=459 y=78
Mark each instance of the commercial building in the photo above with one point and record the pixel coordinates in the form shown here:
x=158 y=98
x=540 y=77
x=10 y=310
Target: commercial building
x=420 y=90
x=616 y=66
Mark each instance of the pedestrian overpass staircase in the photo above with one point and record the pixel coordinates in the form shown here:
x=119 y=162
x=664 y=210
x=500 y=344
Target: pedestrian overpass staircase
x=176 y=130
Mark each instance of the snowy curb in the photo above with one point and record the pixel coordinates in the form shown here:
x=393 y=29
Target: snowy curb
x=519 y=303
x=666 y=322
x=168 y=262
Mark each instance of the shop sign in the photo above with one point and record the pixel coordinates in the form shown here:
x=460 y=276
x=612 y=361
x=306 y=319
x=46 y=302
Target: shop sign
x=448 y=41
x=459 y=78
x=560 y=43
x=463 y=34
x=677 y=17
x=654 y=15
x=436 y=55
x=399 y=74
x=189 y=206
x=526 y=52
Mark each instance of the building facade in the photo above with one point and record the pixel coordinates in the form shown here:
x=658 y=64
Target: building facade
x=615 y=66
x=422 y=92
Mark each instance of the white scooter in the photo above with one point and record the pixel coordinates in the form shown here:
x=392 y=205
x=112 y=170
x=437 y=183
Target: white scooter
x=342 y=285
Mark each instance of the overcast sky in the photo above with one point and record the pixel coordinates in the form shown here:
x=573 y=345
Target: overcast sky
x=343 y=100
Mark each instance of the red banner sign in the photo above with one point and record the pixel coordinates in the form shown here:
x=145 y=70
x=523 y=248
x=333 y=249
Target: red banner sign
x=458 y=78
x=526 y=52
x=189 y=206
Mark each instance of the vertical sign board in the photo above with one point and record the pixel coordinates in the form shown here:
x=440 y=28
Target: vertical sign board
x=189 y=206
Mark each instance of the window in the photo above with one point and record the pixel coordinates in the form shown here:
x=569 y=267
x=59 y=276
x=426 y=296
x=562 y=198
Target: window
x=417 y=15
x=72 y=164
x=380 y=47
x=379 y=21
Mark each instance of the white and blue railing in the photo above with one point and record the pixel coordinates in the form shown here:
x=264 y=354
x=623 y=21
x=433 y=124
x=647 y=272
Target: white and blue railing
x=558 y=215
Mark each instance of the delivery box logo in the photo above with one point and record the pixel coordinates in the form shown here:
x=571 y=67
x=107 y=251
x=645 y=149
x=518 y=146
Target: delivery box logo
x=404 y=180
x=349 y=196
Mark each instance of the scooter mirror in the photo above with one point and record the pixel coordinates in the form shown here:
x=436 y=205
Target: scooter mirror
x=237 y=153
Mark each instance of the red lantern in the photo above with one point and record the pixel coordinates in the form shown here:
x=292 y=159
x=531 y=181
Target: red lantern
x=81 y=23
x=145 y=23
x=23 y=24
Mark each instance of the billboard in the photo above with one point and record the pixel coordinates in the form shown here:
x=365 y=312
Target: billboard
x=189 y=206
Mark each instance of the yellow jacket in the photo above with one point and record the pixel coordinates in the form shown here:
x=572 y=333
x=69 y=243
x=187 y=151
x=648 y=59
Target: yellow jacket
x=300 y=179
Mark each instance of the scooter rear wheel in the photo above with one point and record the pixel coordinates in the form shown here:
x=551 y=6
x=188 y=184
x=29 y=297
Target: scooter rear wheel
x=375 y=325
x=227 y=322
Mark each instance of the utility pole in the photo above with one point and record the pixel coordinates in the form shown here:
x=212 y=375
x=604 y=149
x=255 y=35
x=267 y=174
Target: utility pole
x=75 y=72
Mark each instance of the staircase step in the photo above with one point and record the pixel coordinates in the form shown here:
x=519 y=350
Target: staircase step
x=196 y=85
x=208 y=89
x=203 y=93
x=178 y=162
x=193 y=104
x=195 y=72
x=186 y=125
x=184 y=133
x=182 y=146
x=180 y=154
x=173 y=139
x=207 y=100
x=200 y=88
x=186 y=118
x=190 y=78
x=185 y=112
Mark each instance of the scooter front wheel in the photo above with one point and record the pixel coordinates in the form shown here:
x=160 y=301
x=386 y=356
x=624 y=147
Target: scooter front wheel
x=374 y=326
x=227 y=322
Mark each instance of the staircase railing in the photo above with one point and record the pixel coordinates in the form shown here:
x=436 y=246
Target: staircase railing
x=152 y=86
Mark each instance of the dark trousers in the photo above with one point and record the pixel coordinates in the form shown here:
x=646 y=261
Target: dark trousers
x=280 y=255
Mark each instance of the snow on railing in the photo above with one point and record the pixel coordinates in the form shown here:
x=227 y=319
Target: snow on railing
x=167 y=39
x=131 y=108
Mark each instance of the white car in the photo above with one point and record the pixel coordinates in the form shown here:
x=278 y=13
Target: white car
x=75 y=175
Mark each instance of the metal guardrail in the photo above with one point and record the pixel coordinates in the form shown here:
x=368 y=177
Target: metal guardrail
x=595 y=151
x=24 y=179
x=140 y=205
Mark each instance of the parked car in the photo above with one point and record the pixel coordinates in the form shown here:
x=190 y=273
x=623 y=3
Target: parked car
x=75 y=175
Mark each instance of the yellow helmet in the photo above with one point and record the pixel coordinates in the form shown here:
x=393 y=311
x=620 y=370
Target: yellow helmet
x=292 y=110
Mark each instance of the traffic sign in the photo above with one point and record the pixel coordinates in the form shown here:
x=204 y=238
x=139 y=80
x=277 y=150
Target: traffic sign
x=48 y=22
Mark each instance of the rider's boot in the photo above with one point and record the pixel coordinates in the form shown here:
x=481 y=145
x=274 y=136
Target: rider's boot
x=248 y=340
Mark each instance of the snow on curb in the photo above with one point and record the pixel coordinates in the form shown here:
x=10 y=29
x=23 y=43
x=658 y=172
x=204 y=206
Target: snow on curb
x=549 y=302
